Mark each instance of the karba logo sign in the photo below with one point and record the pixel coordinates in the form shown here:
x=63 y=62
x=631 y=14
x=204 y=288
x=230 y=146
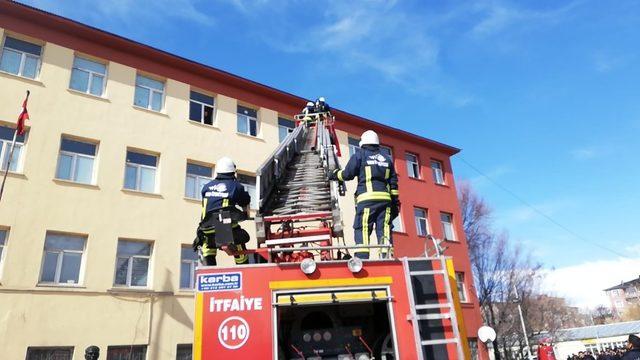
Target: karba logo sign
x=220 y=282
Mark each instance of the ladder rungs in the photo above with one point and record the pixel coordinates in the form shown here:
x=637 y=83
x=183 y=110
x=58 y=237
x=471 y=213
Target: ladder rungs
x=427 y=272
x=433 y=316
x=438 y=342
x=432 y=306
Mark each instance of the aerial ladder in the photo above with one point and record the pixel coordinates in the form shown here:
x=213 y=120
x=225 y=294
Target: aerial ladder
x=306 y=298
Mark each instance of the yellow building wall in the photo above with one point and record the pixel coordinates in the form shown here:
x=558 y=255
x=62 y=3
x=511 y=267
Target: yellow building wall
x=93 y=312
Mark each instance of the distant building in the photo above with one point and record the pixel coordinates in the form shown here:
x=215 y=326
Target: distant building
x=623 y=295
x=592 y=338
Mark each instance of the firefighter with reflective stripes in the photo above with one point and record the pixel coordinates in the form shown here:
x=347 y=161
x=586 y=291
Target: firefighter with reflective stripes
x=222 y=193
x=377 y=192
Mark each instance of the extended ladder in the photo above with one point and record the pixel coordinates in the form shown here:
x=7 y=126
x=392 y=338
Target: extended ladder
x=435 y=323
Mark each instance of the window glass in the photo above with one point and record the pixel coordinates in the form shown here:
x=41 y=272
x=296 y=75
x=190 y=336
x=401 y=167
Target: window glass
x=51 y=353
x=197 y=177
x=126 y=248
x=130 y=352
x=79 y=80
x=354 y=145
x=6 y=136
x=247 y=111
x=196 y=96
x=23 y=46
x=10 y=61
x=413 y=168
x=88 y=76
x=78 y=147
x=188 y=264
x=422 y=226
x=462 y=291
x=150 y=83
x=30 y=67
x=285 y=127
x=436 y=169
x=141 y=97
x=62 y=259
x=201 y=108
x=397 y=224
x=147 y=179
x=184 y=352
x=75 y=161
x=243 y=126
x=142 y=159
x=249 y=183
x=447 y=226
x=199 y=170
x=149 y=93
x=85 y=64
x=132 y=263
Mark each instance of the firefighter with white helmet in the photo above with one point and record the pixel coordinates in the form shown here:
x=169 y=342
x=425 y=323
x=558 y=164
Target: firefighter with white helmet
x=321 y=105
x=376 y=194
x=222 y=194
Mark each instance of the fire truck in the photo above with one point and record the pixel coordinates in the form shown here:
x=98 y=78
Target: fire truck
x=304 y=297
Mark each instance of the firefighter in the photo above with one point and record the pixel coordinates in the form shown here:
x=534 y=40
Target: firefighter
x=222 y=193
x=376 y=194
x=633 y=348
x=321 y=105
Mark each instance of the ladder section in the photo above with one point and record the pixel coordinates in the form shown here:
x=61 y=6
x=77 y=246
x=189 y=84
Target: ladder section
x=299 y=205
x=433 y=314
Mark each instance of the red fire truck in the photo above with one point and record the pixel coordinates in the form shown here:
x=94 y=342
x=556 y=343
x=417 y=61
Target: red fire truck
x=304 y=296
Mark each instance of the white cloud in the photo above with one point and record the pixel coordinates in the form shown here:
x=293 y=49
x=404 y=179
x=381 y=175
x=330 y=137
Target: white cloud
x=583 y=284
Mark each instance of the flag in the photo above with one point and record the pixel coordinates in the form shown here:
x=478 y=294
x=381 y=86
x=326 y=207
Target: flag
x=24 y=115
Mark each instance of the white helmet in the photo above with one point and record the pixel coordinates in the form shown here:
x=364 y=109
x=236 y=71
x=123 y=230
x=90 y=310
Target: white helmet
x=369 y=137
x=309 y=103
x=321 y=99
x=225 y=166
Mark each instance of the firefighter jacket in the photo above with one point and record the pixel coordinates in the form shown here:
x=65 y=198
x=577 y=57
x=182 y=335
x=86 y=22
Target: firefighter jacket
x=377 y=178
x=222 y=192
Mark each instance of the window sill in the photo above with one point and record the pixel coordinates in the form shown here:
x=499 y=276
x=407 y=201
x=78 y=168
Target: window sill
x=137 y=290
x=17 y=175
x=443 y=185
x=160 y=113
x=212 y=127
x=74 y=183
x=60 y=286
x=417 y=179
x=466 y=304
x=258 y=138
x=399 y=232
x=193 y=200
x=142 y=193
x=452 y=241
x=23 y=78
x=88 y=95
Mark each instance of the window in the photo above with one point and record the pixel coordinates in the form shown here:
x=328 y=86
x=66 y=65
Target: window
x=149 y=93
x=436 y=169
x=132 y=352
x=422 y=224
x=49 y=353
x=354 y=145
x=75 y=161
x=285 y=127
x=20 y=58
x=3 y=242
x=462 y=290
x=397 y=224
x=249 y=183
x=184 y=352
x=386 y=150
x=132 y=264
x=62 y=259
x=619 y=304
x=247 y=121
x=6 y=136
x=413 y=166
x=447 y=226
x=201 y=108
x=88 y=76
x=188 y=264
x=140 y=172
x=197 y=177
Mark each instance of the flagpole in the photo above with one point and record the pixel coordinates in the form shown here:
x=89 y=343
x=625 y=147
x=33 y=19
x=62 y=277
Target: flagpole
x=6 y=171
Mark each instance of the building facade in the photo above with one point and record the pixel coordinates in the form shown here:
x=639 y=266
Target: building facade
x=593 y=338
x=624 y=295
x=102 y=197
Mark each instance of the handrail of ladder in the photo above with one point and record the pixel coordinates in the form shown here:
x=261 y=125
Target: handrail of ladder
x=273 y=168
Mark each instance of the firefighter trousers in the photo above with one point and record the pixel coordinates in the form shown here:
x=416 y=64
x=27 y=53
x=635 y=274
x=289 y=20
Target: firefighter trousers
x=368 y=215
x=240 y=236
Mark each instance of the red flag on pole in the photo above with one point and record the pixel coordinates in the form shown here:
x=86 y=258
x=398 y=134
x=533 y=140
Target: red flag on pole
x=24 y=115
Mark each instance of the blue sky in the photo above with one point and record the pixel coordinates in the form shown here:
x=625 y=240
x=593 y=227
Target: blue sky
x=542 y=96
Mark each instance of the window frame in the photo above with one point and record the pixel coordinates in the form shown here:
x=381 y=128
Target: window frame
x=453 y=229
x=214 y=109
x=248 y=119
x=91 y=76
x=410 y=163
x=398 y=229
x=138 y=167
x=437 y=171
x=426 y=220
x=23 y=56
x=3 y=246
x=125 y=347
x=288 y=129
x=70 y=349
x=74 y=161
x=6 y=149
x=59 y=259
x=353 y=149
x=130 y=265
x=462 y=290
x=193 y=264
x=246 y=185
x=151 y=91
x=197 y=179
